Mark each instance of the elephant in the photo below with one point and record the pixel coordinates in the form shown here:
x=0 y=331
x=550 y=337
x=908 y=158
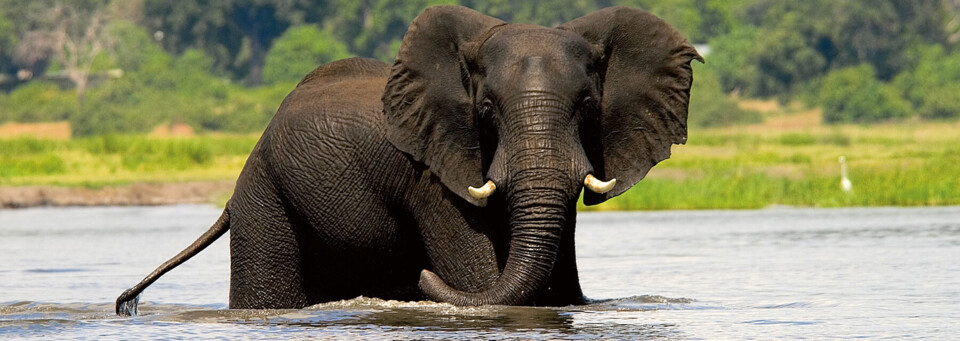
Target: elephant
x=454 y=174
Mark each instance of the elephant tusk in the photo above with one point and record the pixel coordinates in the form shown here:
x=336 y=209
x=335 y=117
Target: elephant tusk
x=597 y=186
x=482 y=192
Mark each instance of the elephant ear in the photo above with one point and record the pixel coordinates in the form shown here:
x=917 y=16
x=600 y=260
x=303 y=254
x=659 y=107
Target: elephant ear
x=428 y=102
x=645 y=78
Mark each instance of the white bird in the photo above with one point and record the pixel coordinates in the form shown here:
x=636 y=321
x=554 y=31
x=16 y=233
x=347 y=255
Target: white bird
x=845 y=183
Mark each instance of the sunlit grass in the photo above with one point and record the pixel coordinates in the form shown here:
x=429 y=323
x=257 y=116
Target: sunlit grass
x=116 y=160
x=903 y=164
x=735 y=167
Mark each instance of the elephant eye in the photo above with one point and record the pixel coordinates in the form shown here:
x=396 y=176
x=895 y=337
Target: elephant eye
x=588 y=102
x=486 y=108
x=588 y=106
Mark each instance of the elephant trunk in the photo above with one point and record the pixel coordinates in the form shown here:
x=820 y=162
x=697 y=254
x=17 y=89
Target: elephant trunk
x=537 y=222
x=543 y=165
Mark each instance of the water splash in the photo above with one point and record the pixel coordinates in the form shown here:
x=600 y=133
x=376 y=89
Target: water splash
x=129 y=307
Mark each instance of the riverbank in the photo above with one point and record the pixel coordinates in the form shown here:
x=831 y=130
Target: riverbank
x=138 y=194
x=129 y=170
x=791 y=159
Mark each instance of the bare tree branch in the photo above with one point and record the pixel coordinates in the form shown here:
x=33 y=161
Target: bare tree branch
x=79 y=37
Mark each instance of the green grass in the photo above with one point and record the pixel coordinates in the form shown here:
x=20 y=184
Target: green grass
x=897 y=187
x=122 y=159
x=906 y=164
x=741 y=167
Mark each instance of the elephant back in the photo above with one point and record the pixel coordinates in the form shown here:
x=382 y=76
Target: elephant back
x=345 y=69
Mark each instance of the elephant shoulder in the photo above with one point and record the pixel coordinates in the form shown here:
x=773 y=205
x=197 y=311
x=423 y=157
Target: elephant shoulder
x=344 y=91
x=335 y=112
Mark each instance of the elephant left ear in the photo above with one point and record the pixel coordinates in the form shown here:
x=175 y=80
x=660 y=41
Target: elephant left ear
x=428 y=102
x=646 y=78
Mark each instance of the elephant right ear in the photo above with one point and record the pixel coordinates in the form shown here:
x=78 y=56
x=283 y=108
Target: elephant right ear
x=428 y=102
x=646 y=79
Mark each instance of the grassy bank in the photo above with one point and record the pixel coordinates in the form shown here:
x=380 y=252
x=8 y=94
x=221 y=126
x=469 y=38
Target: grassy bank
x=118 y=160
x=791 y=159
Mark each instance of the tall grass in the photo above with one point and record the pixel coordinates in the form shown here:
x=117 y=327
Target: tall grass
x=912 y=186
x=743 y=167
x=754 y=167
x=120 y=159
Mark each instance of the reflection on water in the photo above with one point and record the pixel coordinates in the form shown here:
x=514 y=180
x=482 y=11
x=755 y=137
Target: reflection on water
x=769 y=274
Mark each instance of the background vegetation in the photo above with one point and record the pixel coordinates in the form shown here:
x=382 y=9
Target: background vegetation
x=792 y=159
x=116 y=71
x=121 y=159
x=127 y=66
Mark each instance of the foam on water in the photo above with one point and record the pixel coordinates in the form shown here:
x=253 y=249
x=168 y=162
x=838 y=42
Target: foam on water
x=360 y=317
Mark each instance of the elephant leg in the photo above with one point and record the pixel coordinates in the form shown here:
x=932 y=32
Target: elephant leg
x=265 y=257
x=459 y=242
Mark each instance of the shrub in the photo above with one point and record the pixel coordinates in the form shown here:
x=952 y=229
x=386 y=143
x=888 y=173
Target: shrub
x=855 y=95
x=299 y=50
x=941 y=102
x=133 y=47
x=38 y=164
x=710 y=106
x=729 y=58
x=807 y=139
x=37 y=101
x=933 y=85
x=163 y=90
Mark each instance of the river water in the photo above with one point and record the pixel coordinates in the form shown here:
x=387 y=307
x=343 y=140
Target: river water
x=779 y=273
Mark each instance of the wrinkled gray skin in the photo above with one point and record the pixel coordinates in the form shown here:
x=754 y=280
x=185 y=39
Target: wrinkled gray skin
x=359 y=184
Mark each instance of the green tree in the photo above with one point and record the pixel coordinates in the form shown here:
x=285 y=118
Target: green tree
x=235 y=33
x=854 y=94
x=799 y=41
x=545 y=13
x=730 y=59
x=8 y=42
x=719 y=17
x=17 y=18
x=697 y=20
x=681 y=14
x=784 y=59
x=374 y=28
x=710 y=106
x=37 y=101
x=71 y=32
x=933 y=85
x=299 y=50
x=133 y=47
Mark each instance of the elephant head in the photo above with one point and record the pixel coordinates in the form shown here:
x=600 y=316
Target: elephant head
x=534 y=114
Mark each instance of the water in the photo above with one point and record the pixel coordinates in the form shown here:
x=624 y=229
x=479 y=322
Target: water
x=766 y=274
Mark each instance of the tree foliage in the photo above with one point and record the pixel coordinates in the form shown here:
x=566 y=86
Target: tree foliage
x=37 y=102
x=933 y=85
x=710 y=106
x=201 y=62
x=855 y=95
x=236 y=33
x=300 y=50
x=698 y=20
x=374 y=28
x=8 y=42
x=799 y=41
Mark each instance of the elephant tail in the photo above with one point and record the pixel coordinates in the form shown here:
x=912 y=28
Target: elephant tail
x=128 y=300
